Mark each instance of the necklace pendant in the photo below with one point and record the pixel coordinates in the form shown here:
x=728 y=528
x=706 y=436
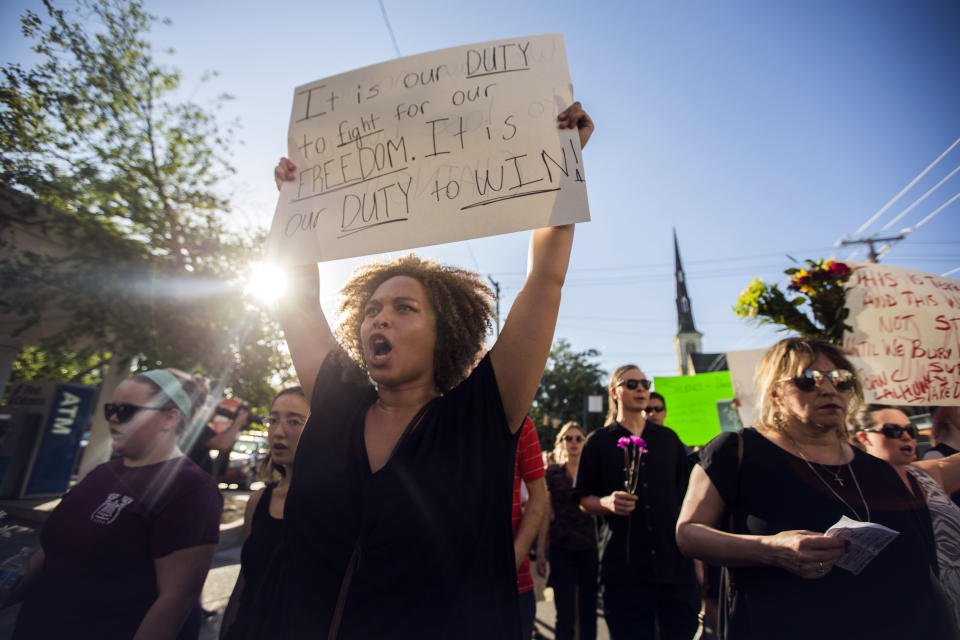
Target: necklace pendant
x=839 y=480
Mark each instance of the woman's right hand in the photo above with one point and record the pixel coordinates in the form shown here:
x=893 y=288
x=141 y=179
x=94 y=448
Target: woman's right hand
x=285 y=171
x=807 y=554
x=619 y=503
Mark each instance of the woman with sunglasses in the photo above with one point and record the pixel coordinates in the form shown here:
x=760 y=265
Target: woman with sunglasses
x=263 y=519
x=646 y=580
x=888 y=434
x=397 y=520
x=125 y=553
x=782 y=484
x=569 y=537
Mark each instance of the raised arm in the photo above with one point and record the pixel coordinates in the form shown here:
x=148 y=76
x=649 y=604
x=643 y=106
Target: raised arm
x=520 y=353
x=805 y=553
x=308 y=334
x=946 y=471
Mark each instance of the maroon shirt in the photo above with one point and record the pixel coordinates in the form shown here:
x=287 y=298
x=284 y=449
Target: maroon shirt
x=99 y=544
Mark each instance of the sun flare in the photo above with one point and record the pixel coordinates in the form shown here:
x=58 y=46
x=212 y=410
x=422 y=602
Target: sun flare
x=266 y=282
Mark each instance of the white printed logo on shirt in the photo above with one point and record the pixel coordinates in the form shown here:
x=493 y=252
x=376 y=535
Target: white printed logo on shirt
x=110 y=509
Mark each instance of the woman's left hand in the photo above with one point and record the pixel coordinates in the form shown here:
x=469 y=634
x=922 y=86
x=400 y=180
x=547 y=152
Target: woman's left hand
x=807 y=554
x=541 y=564
x=575 y=116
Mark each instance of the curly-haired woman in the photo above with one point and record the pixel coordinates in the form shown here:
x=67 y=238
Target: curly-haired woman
x=397 y=524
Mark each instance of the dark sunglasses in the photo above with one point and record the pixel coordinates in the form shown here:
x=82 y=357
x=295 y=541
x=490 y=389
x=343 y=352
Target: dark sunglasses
x=574 y=438
x=841 y=379
x=125 y=412
x=894 y=431
x=656 y=409
x=633 y=383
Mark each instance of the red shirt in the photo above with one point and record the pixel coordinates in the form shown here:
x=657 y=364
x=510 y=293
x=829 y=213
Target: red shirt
x=529 y=467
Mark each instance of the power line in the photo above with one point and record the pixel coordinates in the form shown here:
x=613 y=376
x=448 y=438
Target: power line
x=938 y=210
x=386 y=20
x=883 y=209
x=919 y=200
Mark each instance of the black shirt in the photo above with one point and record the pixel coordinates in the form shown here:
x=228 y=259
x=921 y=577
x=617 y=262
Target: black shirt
x=260 y=549
x=664 y=472
x=571 y=529
x=774 y=491
x=432 y=527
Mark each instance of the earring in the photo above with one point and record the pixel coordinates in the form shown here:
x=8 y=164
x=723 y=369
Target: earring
x=778 y=420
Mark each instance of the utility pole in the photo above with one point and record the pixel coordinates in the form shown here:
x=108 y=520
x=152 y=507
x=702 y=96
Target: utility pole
x=870 y=241
x=496 y=292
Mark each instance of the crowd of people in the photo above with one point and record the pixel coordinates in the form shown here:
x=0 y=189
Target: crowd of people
x=405 y=491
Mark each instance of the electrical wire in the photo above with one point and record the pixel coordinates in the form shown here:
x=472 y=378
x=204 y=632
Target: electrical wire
x=386 y=21
x=883 y=209
x=919 y=200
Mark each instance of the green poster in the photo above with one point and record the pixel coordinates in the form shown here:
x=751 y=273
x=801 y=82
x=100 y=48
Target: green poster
x=692 y=404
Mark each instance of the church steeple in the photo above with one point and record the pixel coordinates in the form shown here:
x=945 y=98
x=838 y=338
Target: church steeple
x=687 y=339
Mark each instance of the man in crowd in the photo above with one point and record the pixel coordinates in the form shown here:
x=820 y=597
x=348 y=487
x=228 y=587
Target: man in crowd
x=527 y=518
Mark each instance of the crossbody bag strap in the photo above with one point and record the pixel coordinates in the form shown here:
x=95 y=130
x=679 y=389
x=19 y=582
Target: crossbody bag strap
x=342 y=596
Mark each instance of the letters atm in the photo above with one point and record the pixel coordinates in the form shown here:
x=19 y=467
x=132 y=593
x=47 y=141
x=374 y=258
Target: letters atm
x=47 y=420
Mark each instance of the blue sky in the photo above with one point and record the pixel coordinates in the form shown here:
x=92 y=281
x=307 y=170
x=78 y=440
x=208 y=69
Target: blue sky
x=758 y=129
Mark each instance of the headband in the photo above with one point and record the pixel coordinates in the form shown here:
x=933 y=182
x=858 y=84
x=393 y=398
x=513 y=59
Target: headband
x=173 y=388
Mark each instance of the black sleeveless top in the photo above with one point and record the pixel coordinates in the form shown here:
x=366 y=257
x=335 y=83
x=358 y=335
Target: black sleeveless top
x=259 y=551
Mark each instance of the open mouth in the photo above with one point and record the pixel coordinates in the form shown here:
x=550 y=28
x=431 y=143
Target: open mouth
x=379 y=347
x=907 y=449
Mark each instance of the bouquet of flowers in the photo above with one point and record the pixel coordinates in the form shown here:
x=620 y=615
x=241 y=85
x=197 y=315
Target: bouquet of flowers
x=823 y=284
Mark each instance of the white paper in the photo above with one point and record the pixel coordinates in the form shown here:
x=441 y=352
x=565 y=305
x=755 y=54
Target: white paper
x=867 y=539
x=438 y=147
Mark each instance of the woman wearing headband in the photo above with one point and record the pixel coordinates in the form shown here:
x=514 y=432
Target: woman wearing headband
x=888 y=434
x=760 y=502
x=125 y=553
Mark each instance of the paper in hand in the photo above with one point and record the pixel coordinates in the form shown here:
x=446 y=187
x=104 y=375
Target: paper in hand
x=867 y=539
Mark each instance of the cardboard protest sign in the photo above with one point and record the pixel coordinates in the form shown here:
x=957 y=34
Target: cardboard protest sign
x=433 y=148
x=692 y=404
x=743 y=366
x=906 y=335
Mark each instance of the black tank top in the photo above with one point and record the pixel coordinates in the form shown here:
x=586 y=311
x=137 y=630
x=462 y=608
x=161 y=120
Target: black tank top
x=260 y=549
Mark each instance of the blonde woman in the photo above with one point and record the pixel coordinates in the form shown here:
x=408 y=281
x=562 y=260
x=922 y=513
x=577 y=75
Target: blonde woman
x=569 y=539
x=793 y=478
x=647 y=583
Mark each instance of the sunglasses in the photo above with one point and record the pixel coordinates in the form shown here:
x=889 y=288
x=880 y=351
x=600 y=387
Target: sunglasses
x=574 y=438
x=125 y=412
x=841 y=379
x=633 y=383
x=894 y=431
x=656 y=409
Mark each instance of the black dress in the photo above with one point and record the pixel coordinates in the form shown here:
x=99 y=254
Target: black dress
x=774 y=491
x=430 y=531
x=260 y=549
